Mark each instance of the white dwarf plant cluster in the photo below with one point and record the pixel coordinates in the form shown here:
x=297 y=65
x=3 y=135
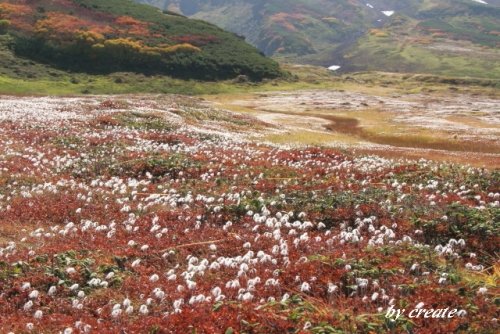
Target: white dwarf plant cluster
x=117 y=216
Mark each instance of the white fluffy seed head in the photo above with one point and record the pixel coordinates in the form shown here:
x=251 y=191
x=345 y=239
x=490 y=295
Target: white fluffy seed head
x=143 y=309
x=38 y=314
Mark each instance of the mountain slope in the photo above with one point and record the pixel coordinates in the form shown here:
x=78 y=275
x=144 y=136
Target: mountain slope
x=276 y=26
x=104 y=36
x=450 y=37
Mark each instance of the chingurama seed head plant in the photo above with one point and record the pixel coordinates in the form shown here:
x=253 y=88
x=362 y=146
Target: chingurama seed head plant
x=116 y=216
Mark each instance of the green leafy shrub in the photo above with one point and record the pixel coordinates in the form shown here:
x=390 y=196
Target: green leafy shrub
x=4 y=26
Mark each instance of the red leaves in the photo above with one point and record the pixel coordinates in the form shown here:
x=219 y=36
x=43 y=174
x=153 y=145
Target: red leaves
x=196 y=40
x=18 y=15
x=82 y=25
x=233 y=216
x=46 y=210
x=133 y=26
x=172 y=139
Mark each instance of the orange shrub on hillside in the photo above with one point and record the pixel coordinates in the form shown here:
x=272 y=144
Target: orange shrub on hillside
x=62 y=26
x=128 y=49
x=89 y=37
x=17 y=15
x=133 y=26
x=59 y=23
x=10 y=8
x=124 y=43
x=185 y=47
x=139 y=48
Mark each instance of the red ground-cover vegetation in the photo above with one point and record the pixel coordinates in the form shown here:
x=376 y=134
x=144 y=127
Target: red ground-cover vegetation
x=117 y=221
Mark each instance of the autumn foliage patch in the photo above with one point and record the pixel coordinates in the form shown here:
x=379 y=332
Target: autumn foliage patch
x=106 y=36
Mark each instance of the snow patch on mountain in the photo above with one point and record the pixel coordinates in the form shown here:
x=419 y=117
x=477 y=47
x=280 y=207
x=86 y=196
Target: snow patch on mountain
x=334 y=67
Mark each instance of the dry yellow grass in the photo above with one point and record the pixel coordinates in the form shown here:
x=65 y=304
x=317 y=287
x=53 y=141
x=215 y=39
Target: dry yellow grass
x=310 y=138
x=308 y=123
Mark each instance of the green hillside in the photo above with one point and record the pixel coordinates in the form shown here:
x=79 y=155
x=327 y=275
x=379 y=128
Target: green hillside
x=105 y=36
